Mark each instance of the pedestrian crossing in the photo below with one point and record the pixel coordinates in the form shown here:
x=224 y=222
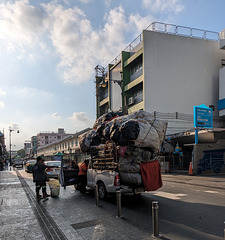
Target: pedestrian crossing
x=172 y=196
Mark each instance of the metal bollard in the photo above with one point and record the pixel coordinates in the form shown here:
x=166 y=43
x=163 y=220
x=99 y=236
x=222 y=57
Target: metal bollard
x=224 y=230
x=155 y=218
x=118 y=201
x=96 y=195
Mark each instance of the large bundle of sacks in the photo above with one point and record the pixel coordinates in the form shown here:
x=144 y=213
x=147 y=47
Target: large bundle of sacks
x=138 y=137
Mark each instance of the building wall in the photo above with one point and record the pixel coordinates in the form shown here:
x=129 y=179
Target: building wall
x=115 y=89
x=68 y=146
x=222 y=92
x=180 y=72
x=45 y=138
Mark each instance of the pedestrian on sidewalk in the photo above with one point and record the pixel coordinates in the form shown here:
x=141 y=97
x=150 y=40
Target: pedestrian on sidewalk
x=6 y=164
x=40 y=177
x=83 y=176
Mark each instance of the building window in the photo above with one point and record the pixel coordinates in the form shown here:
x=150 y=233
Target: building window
x=136 y=69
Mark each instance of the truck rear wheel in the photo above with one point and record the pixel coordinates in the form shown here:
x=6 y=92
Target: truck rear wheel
x=102 y=191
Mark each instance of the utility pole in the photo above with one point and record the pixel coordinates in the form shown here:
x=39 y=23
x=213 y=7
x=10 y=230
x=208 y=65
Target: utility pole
x=10 y=146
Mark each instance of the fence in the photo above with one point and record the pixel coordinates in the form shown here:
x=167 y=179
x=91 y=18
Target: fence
x=178 y=163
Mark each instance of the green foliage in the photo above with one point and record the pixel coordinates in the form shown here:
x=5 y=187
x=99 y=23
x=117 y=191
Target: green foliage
x=21 y=153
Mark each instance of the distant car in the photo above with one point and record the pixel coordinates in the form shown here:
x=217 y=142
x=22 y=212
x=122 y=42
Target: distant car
x=55 y=170
x=18 y=162
x=29 y=165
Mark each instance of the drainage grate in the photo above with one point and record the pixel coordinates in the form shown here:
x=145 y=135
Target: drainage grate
x=49 y=227
x=87 y=224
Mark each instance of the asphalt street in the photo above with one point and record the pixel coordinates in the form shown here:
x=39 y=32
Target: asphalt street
x=190 y=207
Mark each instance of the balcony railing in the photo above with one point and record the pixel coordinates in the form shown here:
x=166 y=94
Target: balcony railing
x=171 y=29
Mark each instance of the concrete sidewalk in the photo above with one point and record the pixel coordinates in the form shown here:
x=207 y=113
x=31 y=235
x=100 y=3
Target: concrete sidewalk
x=17 y=219
x=76 y=215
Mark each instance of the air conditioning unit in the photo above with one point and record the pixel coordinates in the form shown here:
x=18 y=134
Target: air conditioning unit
x=130 y=101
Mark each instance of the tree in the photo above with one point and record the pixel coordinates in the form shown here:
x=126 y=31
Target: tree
x=21 y=153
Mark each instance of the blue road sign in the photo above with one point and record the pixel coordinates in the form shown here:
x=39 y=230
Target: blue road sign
x=203 y=116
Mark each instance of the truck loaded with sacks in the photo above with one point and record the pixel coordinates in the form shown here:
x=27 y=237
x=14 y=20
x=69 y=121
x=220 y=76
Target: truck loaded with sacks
x=123 y=152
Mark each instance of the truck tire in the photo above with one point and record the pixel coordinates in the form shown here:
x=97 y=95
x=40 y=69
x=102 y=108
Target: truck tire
x=217 y=168
x=199 y=171
x=102 y=191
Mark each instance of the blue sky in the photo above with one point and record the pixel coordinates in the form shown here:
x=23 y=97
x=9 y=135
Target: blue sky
x=49 y=49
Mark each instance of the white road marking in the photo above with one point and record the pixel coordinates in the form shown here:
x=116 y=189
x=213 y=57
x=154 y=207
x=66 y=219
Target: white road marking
x=169 y=195
x=211 y=192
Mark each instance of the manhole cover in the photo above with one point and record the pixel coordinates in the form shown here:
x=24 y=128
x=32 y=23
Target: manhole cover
x=86 y=224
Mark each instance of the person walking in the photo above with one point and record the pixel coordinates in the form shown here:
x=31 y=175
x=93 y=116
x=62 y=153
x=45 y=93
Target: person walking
x=83 y=176
x=40 y=177
x=7 y=164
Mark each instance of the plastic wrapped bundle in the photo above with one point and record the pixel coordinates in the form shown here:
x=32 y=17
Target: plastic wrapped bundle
x=106 y=131
x=106 y=118
x=160 y=126
x=89 y=139
x=139 y=155
x=133 y=179
x=130 y=129
x=128 y=165
x=146 y=134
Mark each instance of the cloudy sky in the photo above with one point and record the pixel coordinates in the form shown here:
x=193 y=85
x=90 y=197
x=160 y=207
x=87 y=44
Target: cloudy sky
x=49 y=49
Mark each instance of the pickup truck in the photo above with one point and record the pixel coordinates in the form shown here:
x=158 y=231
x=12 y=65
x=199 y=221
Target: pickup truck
x=103 y=171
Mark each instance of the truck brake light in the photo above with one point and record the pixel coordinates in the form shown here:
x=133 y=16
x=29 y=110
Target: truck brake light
x=117 y=180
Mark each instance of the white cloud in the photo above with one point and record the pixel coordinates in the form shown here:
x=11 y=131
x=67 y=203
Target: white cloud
x=81 y=120
x=21 y=24
x=2 y=104
x=56 y=116
x=140 y=22
x=30 y=93
x=69 y=31
x=2 y=92
x=80 y=117
x=79 y=46
x=15 y=126
x=174 y=6
x=85 y=1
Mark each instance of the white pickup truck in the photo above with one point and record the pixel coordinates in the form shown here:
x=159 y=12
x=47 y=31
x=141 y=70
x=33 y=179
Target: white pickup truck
x=103 y=171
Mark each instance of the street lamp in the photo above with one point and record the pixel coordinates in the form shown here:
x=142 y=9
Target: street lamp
x=10 y=145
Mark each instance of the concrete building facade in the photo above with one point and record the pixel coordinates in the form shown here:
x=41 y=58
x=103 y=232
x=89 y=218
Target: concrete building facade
x=68 y=146
x=45 y=138
x=167 y=70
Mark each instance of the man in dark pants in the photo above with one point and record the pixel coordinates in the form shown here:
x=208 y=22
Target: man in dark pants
x=83 y=176
x=40 y=177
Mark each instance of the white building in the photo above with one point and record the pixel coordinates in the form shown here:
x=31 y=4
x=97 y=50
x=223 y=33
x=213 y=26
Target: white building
x=167 y=70
x=45 y=138
x=68 y=146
